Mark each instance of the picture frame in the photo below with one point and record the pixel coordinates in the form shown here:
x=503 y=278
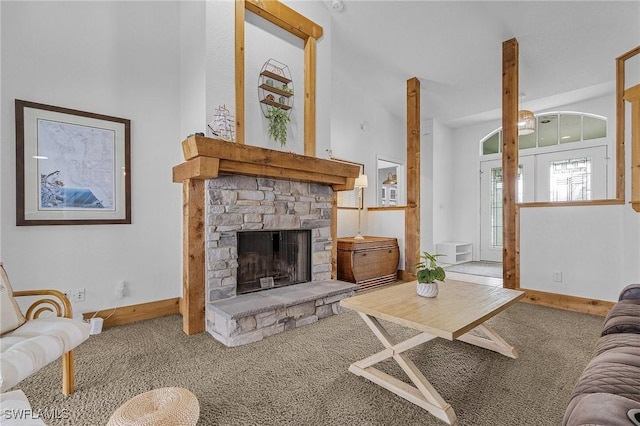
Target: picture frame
x=72 y=167
x=349 y=199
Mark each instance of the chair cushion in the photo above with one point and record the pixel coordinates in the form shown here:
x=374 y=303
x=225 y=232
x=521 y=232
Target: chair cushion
x=16 y=410
x=37 y=343
x=10 y=314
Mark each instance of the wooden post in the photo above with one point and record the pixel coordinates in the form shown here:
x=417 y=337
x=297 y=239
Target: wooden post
x=510 y=250
x=632 y=95
x=193 y=270
x=412 y=213
x=621 y=121
x=620 y=126
x=239 y=29
x=310 y=97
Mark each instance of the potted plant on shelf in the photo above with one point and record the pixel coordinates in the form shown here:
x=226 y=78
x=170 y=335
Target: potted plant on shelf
x=428 y=273
x=278 y=119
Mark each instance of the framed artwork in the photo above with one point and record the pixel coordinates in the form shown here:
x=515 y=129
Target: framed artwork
x=349 y=199
x=72 y=167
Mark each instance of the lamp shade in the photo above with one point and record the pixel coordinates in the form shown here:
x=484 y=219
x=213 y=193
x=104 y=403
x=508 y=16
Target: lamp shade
x=526 y=122
x=361 y=181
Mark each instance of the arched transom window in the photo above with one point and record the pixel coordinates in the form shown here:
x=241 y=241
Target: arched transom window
x=552 y=129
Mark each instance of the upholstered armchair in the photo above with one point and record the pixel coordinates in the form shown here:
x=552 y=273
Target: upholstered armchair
x=46 y=332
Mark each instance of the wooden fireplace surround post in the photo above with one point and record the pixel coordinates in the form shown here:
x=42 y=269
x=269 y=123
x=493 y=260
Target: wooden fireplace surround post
x=206 y=158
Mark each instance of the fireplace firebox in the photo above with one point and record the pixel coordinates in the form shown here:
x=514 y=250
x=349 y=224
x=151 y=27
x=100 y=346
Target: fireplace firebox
x=270 y=259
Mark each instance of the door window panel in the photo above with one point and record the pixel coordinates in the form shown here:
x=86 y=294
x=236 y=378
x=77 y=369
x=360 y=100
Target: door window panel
x=570 y=180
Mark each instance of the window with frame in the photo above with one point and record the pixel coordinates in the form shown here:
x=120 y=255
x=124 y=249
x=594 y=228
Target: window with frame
x=571 y=156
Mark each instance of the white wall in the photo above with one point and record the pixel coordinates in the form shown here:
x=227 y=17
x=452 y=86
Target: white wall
x=114 y=58
x=596 y=248
x=388 y=224
x=585 y=244
x=436 y=187
x=362 y=129
x=1 y=103
x=219 y=56
x=192 y=68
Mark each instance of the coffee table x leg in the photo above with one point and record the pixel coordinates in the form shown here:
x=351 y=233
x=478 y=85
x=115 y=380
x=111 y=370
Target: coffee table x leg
x=423 y=393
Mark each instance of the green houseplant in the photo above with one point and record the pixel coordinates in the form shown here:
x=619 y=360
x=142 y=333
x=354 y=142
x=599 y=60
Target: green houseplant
x=278 y=119
x=428 y=273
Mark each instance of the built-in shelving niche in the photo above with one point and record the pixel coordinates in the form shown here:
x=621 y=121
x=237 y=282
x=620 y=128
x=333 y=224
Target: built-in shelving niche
x=275 y=86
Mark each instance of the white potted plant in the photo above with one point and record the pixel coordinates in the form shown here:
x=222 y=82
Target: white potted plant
x=428 y=273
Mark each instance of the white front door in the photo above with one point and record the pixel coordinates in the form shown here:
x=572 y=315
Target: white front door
x=491 y=203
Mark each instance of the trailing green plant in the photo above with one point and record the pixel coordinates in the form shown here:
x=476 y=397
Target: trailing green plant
x=427 y=270
x=278 y=119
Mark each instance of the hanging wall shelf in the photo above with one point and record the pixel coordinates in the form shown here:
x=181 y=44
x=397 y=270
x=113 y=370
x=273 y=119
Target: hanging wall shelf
x=275 y=87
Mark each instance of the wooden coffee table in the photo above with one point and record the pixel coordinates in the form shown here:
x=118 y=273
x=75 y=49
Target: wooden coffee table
x=459 y=308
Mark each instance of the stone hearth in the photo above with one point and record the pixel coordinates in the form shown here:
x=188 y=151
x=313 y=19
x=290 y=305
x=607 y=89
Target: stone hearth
x=252 y=317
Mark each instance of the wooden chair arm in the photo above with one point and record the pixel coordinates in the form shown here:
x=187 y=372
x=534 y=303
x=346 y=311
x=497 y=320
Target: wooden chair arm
x=61 y=307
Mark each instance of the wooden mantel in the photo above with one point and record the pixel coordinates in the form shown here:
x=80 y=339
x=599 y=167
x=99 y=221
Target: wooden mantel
x=206 y=158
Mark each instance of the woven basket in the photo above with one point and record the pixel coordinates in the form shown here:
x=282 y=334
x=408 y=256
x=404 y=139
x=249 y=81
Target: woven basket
x=427 y=289
x=162 y=407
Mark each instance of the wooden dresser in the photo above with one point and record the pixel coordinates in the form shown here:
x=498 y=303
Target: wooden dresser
x=370 y=262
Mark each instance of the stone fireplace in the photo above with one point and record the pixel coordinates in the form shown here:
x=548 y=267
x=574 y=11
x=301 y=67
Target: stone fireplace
x=272 y=237
x=236 y=204
x=230 y=189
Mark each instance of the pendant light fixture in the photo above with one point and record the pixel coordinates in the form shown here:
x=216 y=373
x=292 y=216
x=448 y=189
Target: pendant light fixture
x=526 y=120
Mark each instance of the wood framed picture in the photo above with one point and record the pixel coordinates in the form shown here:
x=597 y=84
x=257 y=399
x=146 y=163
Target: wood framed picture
x=72 y=167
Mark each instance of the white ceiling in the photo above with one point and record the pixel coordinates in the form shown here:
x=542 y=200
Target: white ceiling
x=567 y=52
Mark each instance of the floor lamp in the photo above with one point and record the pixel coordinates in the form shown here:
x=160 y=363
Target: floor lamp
x=360 y=183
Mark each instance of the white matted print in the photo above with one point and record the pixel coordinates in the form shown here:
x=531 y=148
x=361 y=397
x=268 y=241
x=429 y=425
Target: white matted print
x=73 y=166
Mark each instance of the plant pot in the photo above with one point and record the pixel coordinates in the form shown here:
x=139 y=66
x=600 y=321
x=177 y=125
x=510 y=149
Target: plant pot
x=427 y=289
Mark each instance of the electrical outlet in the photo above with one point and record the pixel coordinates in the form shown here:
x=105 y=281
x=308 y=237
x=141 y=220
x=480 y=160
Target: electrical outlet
x=121 y=289
x=557 y=277
x=75 y=294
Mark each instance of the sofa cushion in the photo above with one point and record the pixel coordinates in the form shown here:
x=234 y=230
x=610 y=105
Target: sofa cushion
x=599 y=409
x=37 y=343
x=621 y=342
x=614 y=371
x=624 y=317
x=10 y=314
x=16 y=410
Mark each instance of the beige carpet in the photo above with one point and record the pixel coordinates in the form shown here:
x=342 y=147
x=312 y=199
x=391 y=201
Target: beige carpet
x=300 y=377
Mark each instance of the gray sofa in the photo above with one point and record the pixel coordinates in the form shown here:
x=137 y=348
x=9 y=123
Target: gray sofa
x=608 y=391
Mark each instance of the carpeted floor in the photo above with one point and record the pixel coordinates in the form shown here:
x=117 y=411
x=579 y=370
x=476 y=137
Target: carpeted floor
x=482 y=267
x=300 y=377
